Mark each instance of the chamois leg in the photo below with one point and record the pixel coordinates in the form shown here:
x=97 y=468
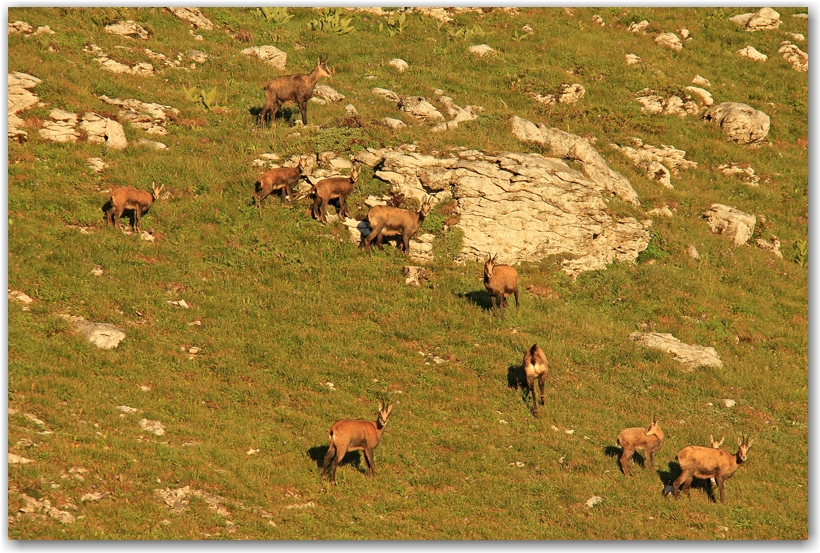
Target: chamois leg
x=650 y=461
x=331 y=452
x=541 y=385
x=109 y=215
x=368 y=459
x=135 y=225
x=516 y=298
x=531 y=386
x=719 y=480
x=626 y=459
x=405 y=242
x=492 y=298
x=375 y=233
x=303 y=111
x=342 y=208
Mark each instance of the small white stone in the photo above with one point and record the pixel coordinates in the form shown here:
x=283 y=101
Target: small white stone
x=729 y=402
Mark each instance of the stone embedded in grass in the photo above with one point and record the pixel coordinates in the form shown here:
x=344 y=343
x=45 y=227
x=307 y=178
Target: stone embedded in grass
x=741 y=169
x=669 y=40
x=795 y=56
x=197 y=56
x=691 y=356
x=638 y=27
x=15 y=459
x=751 y=53
x=127 y=28
x=399 y=64
x=126 y=409
x=632 y=59
x=269 y=54
x=419 y=108
x=155 y=427
x=727 y=220
x=326 y=94
x=413 y=276
x=93 y=496
x=701 y=81
x=773 y=246
x=153 y=144
x=178 y=303
x=692 y=251
x=96 y=164
x=17 y=295
x=61 y=128
x=742 y=123
x=764 y=20
x=193 y=16
x=598 y=19
x=100 y=130
x=102 y=335
x=481 y=50
x=728 y=402
x=150 y=117
x=20 y=27
x=657 y=161
x=704 y=95
x=594 y=500
x=386 y=94
x=566 y=94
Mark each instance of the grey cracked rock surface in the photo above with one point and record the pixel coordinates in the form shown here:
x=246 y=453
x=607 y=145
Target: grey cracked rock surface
x=690 y=356
x=741 y=123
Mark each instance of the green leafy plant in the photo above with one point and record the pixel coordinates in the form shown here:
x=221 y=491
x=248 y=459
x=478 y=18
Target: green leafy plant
x=276 y=15
x=331 y=21
x=801 y=252
x=466 y=33
x=208 y=98
x=395 y=24
x=519 y=37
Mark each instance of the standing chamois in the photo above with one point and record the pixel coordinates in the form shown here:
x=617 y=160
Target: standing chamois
x=334 y=188
x=649 y=440
x=705 y=462
x=500 y=280
x=350 y=435
x=281 y=178
x=293 y=88
x=133 y=199
x=393 y=221
x=535 y=366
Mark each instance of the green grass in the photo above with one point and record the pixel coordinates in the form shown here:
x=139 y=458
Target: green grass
x=286 y=305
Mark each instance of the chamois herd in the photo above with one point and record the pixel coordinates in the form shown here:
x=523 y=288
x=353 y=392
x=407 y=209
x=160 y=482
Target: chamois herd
x=500 y=281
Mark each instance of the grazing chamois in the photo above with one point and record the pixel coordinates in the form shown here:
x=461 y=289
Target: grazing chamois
x=281 y=178
x=334 y=188
x=705 y=462
x=500 y=280
x=393 y=221
x=127 y=198
x=350 y=435
x=535 y=366
x=649 y=440
x=293 y=88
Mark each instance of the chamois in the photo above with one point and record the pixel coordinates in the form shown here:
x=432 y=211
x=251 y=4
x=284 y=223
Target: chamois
x=331 y=189
x=128 y=198
x=716 y=444
x=350 y=435
x=705 y=462
x=393 y=221
x=293 y=88
x=500 y=280
x=281 y=178
x=649 y=440
x=535 y=366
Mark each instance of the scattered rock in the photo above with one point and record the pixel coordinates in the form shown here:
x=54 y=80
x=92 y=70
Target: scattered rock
x=669 y=40
x=17 y=295
x=419 y=108
x=413 y=276
x=690 y=356
x=751 y=53
x=528 y=29
x=701 y=81
x=150 y=117
x=571 y=147
x=662 y=211
x=632 y=59
x=17 y=460
x=674 y=105
x=657 y=161
x=178 y=303
x=692 y=251
x=773 y=246
x=194 y=17
x=598 y=19
x=155 y=427
x=797 y=36
x=480 y=50
x=638 y=27
x=142 y=68
x=704 y=95
x=728 y=402
x=126 y=409
x=566 y=94
x=32 y=506
x=128 y=29
x=743 y=124
x=765 y=20
x=384 y=93
x=197 y=56
x=684 y=33
x=93 y=496
x=795 y=56
x=269 y=54
x=153 y=144
x=399 y=64
x=594 y=500
x=102 y=335
x=19 y=99
x=326 y=93
x=20 y=27
x=741 y=169
x=351 y=110
x=308 y=505
x=103 y=130
x=96 y=164
x=61 y=128
x=723 y=219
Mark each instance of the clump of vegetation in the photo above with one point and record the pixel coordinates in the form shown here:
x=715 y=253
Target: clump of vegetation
x=275 y=15
x=331 y=21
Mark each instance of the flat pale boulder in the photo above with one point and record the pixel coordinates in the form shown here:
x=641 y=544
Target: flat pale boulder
x=638 y=27
x=795 y=56
x=399 y=64
x=690 y=356
x=130 y=29
x=327 y=93
x=386 y=94
x=419 y=108
x=269 y=54
x=741 y=123
x=102 y=335
x=751 y=53
x=727 y=220
x=193 y=16
x=150 y=117
x=100 y=129
x=703 y=95
x=61 y=127
x=764 y=20
x=669 y=40
x=481 y=50
x=566 y=94
x=571 y=147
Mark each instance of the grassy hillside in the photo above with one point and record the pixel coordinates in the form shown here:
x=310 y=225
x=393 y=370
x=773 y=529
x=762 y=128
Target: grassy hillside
x=281 y=306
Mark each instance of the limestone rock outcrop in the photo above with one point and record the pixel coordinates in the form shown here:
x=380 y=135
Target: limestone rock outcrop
x=742 y=123
x=690 y=356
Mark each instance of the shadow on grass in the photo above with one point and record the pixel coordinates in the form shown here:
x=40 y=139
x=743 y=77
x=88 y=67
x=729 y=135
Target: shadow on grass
x=615 y=451
x=285 y=113
x=317 y=453
x=481 y=298
x=667 y=477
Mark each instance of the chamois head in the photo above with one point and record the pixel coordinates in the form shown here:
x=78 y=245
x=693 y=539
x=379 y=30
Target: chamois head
x=653 y=427
x=384 y=413
x=323 y=70
x=716 y=444
x=156 y=191
x=744 y=444
x=489 y=265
